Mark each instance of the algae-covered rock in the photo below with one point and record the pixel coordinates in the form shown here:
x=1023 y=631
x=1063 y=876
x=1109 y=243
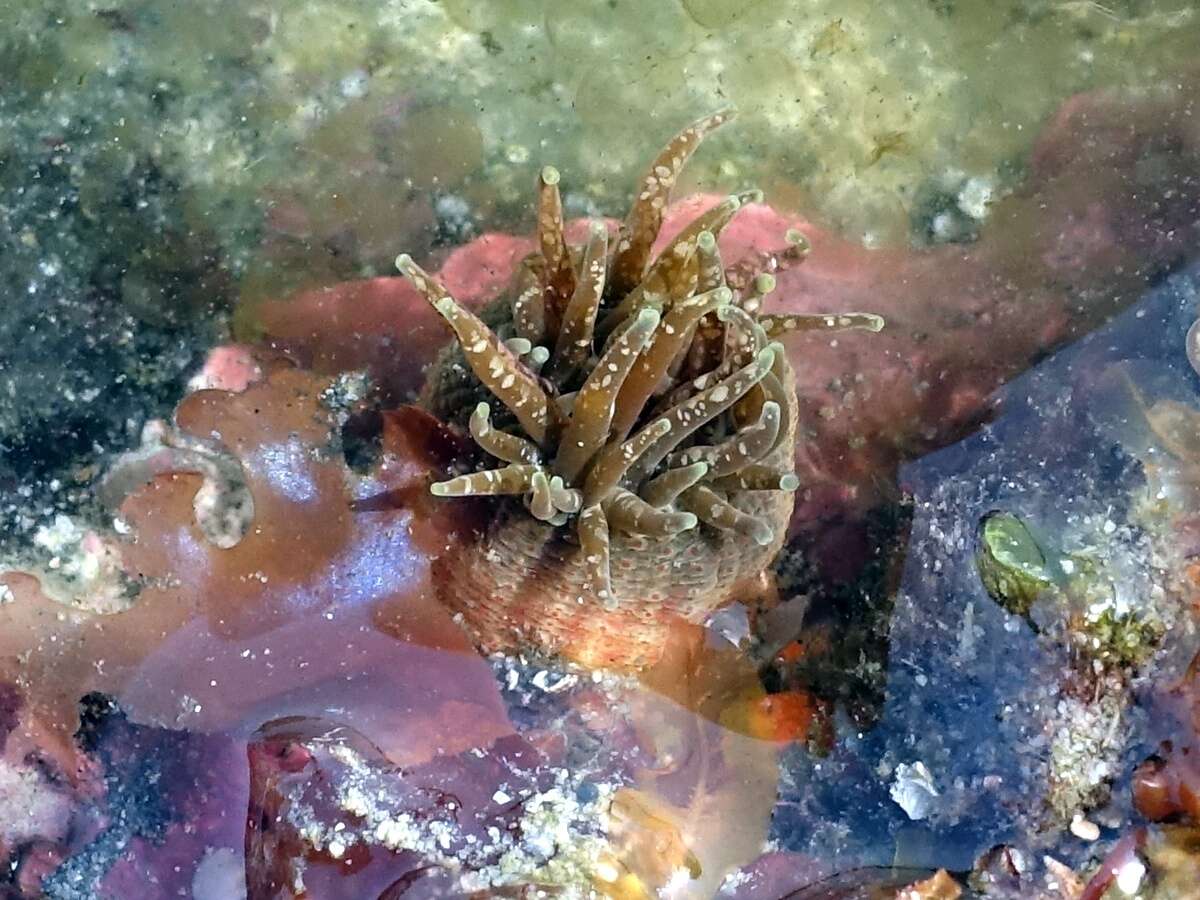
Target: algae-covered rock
x=858 y=104
x=1087 y=601
x=865 y=108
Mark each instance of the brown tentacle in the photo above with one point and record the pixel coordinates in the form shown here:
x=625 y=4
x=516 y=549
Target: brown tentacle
x=645 y=218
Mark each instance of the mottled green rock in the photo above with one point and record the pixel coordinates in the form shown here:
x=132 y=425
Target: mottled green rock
x=1011 y=565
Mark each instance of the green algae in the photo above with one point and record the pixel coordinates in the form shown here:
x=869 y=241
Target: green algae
x=858 y=105
x=1126 y=640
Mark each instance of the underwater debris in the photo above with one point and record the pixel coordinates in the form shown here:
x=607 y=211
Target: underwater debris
x=913 y=790
x=644 y=404
x=1192 y=345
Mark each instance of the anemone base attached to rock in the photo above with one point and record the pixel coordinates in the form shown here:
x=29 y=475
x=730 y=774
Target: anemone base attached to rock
x=644 y=432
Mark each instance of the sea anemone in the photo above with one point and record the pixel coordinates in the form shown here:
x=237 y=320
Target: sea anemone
x=645 y=432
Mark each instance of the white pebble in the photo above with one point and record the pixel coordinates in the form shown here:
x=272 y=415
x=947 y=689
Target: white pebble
x=1130 y=876
x=1084 y=829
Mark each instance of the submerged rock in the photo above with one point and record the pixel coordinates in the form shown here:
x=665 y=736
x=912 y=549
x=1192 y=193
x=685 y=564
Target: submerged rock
x=1024 y=733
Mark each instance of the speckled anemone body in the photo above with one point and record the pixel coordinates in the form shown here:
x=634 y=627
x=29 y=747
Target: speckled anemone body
x=641 y=420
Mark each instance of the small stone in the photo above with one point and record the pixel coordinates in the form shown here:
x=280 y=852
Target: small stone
x=355 y=85
x=913 y=790
x=1084 y=829
x=1130 y=875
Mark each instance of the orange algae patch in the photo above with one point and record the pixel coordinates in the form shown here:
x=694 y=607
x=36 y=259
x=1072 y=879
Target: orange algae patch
x=320 y=611
x=789 y=716
x=939 y=886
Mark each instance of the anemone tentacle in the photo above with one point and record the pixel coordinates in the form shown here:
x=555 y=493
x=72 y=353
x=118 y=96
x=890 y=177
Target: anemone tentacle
x=777 y=325
x=509 y=480
x=587 y=432
x=633 y=515
x=739 y=450
x=757 y=478
x=574 y=342
x=655 y=361
x=493 y=363
x=713 y=509
x=663 y=489
x=557 y=277
x=509 y=447
x=645 y=217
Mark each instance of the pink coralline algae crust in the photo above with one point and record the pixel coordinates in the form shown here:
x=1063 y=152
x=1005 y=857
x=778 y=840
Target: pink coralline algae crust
x=230 y=367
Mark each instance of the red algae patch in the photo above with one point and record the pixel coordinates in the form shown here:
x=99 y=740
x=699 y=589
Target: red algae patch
x=378 y=741
x=357 y=325
x=318 y=608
